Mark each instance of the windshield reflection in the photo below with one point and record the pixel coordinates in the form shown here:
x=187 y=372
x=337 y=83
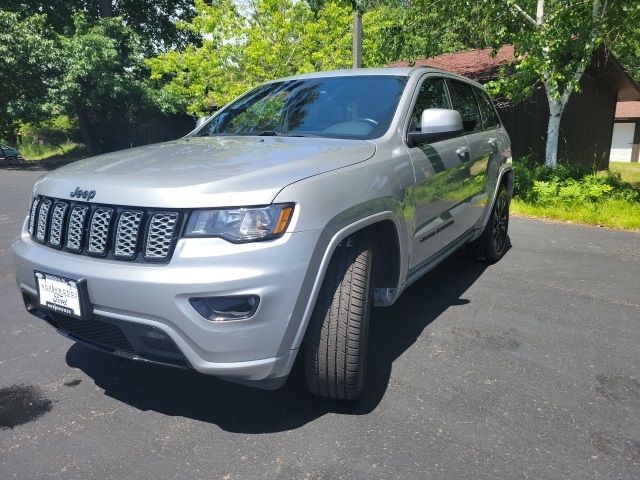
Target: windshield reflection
x=358 y=107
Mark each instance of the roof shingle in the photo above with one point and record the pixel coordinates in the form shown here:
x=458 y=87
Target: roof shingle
x=480 y=65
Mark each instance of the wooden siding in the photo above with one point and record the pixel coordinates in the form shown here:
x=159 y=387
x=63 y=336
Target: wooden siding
x=585 y=132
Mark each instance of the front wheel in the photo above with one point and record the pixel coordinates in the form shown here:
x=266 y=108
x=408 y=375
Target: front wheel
x=336 y=342
x=494 y=241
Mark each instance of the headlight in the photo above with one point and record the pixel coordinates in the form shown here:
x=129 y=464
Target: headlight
x=240 y=224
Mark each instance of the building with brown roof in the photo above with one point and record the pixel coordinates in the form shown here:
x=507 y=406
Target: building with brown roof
x=587 y=123
x=625 y=144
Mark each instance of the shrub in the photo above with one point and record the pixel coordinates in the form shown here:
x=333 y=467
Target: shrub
x=53 y=131
x=568 y=184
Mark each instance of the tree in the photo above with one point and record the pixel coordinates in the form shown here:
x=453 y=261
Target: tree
x=396 y=29
x=103 y=82
x=157 y=22
x=556 y=44
x=244 y=47
x=29 y=59
x=79 y=58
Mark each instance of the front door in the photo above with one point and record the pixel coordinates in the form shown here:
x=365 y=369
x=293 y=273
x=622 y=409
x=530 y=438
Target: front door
x=471 y=195
x=440 y=167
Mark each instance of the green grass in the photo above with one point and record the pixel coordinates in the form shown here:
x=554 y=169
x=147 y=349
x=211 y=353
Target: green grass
x=629 y=172
x=609 y=198
x=611 y=213
x=34 y=152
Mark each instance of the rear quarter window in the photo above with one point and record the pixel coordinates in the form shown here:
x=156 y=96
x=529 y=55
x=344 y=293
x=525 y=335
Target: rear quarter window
x=487 y=110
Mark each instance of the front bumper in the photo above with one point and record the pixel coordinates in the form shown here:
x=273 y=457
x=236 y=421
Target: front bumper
x=157 y=296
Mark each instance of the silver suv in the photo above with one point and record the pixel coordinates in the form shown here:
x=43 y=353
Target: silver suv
x=273 y=228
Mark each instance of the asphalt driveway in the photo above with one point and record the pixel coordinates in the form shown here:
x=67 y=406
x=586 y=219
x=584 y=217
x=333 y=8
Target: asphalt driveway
x=529 y=368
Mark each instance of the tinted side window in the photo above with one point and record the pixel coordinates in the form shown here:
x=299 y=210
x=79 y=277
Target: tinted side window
x=433 y=94
x=464 y=101
x=489 y=117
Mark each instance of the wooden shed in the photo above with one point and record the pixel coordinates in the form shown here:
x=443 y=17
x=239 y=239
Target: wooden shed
x=625 y=143
x=587 y=123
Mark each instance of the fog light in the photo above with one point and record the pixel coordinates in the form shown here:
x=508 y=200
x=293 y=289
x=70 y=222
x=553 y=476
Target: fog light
x=219 y=309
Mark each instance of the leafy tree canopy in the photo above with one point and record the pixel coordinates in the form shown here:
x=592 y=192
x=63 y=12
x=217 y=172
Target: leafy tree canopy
x=29 y=59
x=103 y=82
x=170 y=56
x=244 y=47
x=155 y=21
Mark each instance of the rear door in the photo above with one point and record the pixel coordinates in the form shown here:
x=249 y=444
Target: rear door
x=471 y=193
x=439 y=168
x=493 y=142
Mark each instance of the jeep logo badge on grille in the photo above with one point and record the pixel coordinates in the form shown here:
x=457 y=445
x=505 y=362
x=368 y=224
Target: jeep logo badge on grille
x=87 y=194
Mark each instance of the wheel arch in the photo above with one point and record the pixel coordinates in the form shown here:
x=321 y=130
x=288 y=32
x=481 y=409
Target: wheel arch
x=385 y=231
x=506 y=178
x=383 y=236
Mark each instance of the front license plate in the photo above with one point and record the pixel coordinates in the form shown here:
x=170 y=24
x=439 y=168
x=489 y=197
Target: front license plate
x=59 y=294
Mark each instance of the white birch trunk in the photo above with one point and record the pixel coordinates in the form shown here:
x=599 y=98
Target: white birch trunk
x=557 y=105
x=553 y=132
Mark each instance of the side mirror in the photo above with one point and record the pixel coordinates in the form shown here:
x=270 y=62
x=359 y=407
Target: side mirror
x=437 y=124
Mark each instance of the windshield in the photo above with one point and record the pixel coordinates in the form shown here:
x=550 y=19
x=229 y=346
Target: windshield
x=358 y=107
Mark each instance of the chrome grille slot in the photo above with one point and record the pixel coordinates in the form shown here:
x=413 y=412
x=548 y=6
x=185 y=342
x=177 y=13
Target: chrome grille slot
x=99 y=230
x=57 y=223
x=127 y=233
x=75 y=230
x=135 y=234
x=160 y=235
x=32 y=216
x=43 y=219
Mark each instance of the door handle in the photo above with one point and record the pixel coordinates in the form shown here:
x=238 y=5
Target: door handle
x=462 y=151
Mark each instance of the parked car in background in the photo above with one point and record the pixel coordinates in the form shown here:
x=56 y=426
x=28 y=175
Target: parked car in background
x=273 y=228
x=9 y=154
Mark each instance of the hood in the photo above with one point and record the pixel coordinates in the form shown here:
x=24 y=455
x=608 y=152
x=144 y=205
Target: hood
x=198 y=172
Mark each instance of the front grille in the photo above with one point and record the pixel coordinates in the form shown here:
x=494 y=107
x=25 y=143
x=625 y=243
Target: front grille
x=127 y=233
x=76 y=228
x=99 y=230
x=110 y=231
x=57 y=222
x=32 y=216
x=94 y=331
x=43 y=219
x=161 y=230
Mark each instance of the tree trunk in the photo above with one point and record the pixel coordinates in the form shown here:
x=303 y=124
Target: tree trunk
x=553 y=132
x=106 y=8
x=83 y=123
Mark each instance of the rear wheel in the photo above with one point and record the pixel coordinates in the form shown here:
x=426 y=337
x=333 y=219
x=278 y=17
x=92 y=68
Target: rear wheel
x=336 y=342
x=494 y=241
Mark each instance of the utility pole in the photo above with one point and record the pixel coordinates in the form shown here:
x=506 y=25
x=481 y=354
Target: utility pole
x=356 y=50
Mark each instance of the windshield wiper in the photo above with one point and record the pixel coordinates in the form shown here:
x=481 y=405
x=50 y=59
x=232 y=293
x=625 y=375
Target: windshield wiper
x=269 y=133
x=304 y=135
x=273 y=133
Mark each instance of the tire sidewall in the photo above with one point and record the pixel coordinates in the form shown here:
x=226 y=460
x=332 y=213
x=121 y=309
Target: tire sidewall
x=326 y=319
